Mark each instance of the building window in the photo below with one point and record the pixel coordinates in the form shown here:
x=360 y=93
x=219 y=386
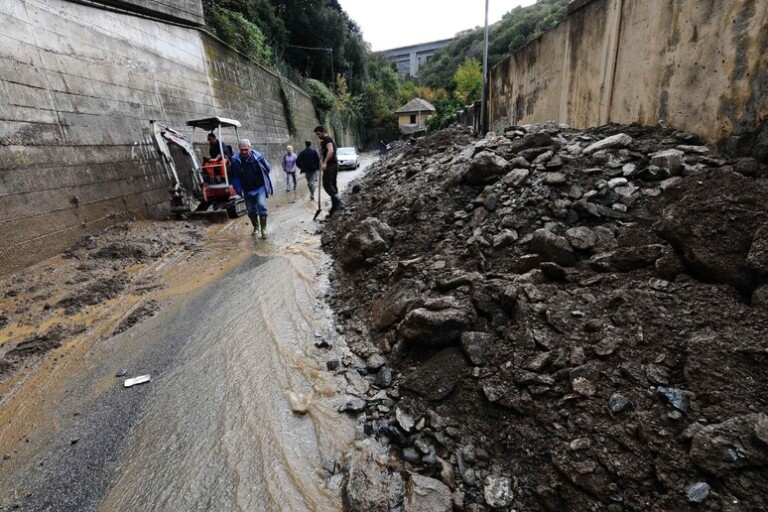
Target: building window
x=413 y=118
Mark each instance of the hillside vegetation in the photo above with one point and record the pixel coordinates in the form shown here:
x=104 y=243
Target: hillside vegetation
x=317 y=45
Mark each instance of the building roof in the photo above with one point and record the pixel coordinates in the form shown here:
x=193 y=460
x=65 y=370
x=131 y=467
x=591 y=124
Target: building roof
x=416 y=105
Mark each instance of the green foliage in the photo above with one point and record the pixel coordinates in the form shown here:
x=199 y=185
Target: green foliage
x=445 y=108
x=233 y=28
x=516 y=29
x=322 y=98
x=469 y=81
x=288 y=107
x=351 y=88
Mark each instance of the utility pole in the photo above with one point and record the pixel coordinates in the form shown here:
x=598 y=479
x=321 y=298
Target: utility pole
x=484 y=101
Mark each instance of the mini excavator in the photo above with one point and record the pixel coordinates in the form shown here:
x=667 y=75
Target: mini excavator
x=212 y=196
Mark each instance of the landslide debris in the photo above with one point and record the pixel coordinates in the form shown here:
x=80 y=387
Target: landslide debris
x=553 y=319
x=58 y=300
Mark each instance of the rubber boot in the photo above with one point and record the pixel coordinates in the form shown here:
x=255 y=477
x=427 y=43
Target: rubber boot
x=263 y=220
x=255 y=223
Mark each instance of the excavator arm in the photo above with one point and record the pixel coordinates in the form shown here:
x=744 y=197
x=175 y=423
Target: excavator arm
x=162 y=135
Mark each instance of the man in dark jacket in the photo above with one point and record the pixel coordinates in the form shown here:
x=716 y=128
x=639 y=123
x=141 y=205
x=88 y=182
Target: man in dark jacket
x=250 y=177
x=308 y=163
x=330 y=168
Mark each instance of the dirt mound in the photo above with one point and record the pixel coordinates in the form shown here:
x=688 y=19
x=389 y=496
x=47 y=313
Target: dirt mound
x=71 y=290
x=571 y=320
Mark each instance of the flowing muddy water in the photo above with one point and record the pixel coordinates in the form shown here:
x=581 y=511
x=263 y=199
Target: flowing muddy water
x=214 y=429
x=220 y=433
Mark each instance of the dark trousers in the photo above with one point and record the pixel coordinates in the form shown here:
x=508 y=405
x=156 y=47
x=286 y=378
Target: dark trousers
x=329 y=185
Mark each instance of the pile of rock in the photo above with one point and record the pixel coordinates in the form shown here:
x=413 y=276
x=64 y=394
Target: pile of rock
x=553 y=319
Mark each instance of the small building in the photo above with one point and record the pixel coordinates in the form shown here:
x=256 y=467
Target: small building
x=412 y=117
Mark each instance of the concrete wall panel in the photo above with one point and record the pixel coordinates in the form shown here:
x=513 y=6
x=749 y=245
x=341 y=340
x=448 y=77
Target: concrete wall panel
x=78 y=87
x=698 y=65
x=530 y=82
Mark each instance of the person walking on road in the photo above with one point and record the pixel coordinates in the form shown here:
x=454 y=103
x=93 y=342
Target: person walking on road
x=289 y=166
x=329 y=168
x=250 y=177
x=308 y=163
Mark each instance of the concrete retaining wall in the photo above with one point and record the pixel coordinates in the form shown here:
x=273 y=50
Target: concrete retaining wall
x=78 y=86
x=699 y=65
x=185 y=11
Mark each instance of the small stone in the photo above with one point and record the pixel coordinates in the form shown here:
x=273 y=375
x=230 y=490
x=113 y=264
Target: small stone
x=299 y=402
x=333 y=365
x=516 y=177
x=411 y=455
x=670 y=160
x=352 y=404
x=497 y=492
x=618 y=403
x=383 y=378
x=426 y=494
x=617 y=182
x=404 y=419
x=580 y=444
x=583 y=387
x=607 y=346
x=374 y=362
x=697 y=492
x=121 y=373
x=617 y=141
x=322 y=343
x=506 y=238
x=555 y=178
x=675 y=397
x=581 y=237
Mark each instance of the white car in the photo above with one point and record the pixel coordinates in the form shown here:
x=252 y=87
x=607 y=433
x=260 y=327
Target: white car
x=348 y=158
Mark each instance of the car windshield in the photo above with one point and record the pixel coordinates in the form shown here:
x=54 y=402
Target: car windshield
x=346 y=151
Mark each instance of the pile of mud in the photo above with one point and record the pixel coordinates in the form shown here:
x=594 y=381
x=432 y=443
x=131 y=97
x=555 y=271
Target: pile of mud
x=54 y=302
x=552 y=319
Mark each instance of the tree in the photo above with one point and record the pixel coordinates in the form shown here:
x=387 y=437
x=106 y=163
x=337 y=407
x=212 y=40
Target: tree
x=469 y=81
x=517 y=28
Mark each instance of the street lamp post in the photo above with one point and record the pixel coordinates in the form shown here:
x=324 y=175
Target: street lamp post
x=484 y=101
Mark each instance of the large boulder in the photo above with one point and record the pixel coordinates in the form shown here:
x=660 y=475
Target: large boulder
x=438 y=323
x=739 y=442
x=618 y=141
x=369 y=238
x=485 y=167
x=552 y=247
x=713 y=225
x=425 y=494
x=369 y=485
x=391 y=307
x=534 y=141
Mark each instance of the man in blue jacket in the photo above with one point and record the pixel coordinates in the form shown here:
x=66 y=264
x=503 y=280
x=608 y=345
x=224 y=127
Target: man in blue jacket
x=250 y=177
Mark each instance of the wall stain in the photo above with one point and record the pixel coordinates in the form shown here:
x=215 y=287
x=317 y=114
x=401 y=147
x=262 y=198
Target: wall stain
x=740 y=26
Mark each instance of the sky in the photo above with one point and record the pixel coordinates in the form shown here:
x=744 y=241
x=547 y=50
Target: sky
x=390 y=24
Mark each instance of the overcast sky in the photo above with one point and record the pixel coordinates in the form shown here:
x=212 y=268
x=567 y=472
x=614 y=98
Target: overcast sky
x=393 y=23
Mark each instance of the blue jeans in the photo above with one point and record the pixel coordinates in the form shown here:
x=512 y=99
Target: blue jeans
x=256 y=202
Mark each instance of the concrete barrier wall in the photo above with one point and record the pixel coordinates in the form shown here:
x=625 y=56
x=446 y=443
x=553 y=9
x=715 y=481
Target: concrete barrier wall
x=185 y=11
x=699 y=65
x=78 y=86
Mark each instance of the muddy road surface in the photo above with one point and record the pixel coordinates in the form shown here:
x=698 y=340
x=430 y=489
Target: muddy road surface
x=241 y=410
